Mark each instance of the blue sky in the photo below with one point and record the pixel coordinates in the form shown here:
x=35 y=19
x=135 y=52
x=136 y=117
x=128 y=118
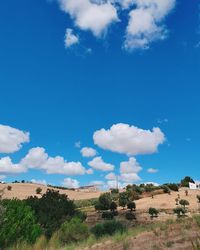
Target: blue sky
x=65 y=74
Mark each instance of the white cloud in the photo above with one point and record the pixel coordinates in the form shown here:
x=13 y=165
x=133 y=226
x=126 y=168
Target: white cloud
x=114 y=184
x=88 y=152
x=35 y=158
x=146 y=23
x=88 y=15
x=70 y=38
x=77 y=144
x=130 y=140
x=111 y=176
x=11 y=139
x=152 y=170
x=70 y=183
x=8 y=167
x=97 y=183
x=130 y=166
x=2 y=177
x=130 y=177
x=89 y=171
x=125 y=4
x=43 y=182
x=98 y=164
x=38 y=158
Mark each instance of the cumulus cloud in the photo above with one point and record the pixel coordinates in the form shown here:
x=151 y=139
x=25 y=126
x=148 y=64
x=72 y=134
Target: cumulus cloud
x=130 y=166
x=70 y=38
x=70 y=183
x=152 y=170
x=111 y=176
x=146 y=23
x=11 y=139
x=99 y=164
x=42 y=182
x=90 y=15
x=8 y=167
x=38 y=158
x=88 y=152
x=89 y=171
x=130 y=140
x=130 y=177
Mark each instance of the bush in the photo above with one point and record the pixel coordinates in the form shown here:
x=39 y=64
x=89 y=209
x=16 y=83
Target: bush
x=115 y=213
x=179 y=211
x=172 y=186
x=198 y=198
x=38 y=190
x=131 y=205
x=18 y=224
x=107 y=228
x=113 y=206
x=73 y=231
x=105 y=201
x=9 y=188
x=51 y=210
x=153 y=212
x=186 y=180
x=184 y=203
x=130 y=216
x=107 y=215
x=123 y=199
x=166 y=189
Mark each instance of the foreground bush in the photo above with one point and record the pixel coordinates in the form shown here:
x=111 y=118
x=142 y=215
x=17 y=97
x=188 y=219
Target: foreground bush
x=107 y=215
x=73 y=231
x=52 y=210
x=107 y=228
x=18 y=224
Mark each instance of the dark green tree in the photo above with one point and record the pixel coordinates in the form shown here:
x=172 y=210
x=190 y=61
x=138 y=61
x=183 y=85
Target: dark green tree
x=18 y=224
x=123 y=199
x=131 y=205
x=52 y=210
x=186 y=180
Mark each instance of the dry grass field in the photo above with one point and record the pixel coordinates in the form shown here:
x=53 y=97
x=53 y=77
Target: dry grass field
x=24 y=190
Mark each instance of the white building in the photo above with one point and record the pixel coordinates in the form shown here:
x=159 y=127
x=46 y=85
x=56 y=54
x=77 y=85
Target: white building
x=195 y=185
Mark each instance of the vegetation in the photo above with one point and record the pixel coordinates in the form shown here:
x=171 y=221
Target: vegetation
x=51 y=210
x=107 y=215
x=123 y=199
x=18 y=224
x=107 y=228
x=9 y=188
x=130 y=216
x=184 y=203
x=38 y=190
x=131 y=205
x=186 y=180
x=73 y=231
x=113 y=206
x=153 y=212
x=179 y=211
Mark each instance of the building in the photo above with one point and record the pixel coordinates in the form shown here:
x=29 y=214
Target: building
x=90 y=188
x=195 y=185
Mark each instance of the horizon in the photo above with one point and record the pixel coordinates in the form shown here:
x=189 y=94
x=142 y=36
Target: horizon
x=90 y=98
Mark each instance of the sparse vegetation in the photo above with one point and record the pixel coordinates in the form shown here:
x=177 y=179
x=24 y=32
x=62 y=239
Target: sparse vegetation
x=38 y=190
x=153 y=212
x=9 y=188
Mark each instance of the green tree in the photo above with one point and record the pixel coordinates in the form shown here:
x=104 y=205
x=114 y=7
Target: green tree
x=9 y=188
x=153 y=212
x=52 y=210
x=105 y=201
x=73 y=231
x=131 y=205
x=186 y=180
x=38 y=190
x=179 y=211
x=184 y=203
x=113 y=206
x=18 y=224
x=123 y=199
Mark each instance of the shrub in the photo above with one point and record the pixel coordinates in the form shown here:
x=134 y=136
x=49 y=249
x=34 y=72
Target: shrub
x=153 y=212
x=18 y=224
x=107 y=228
x=81 y=215
x=179 y=211
x=51 y=210
x=73 y=231
x=38 y=190
x=166 y=189
x=113 y=206
x=123 y=199
x=105 y=201
x=186 y=180
x=115 y=213
x=107 y=215
x=131 y=205
x=173 y=186
x=9 y=188
x=184 y=203
x=130 y=216
x=198 y=198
